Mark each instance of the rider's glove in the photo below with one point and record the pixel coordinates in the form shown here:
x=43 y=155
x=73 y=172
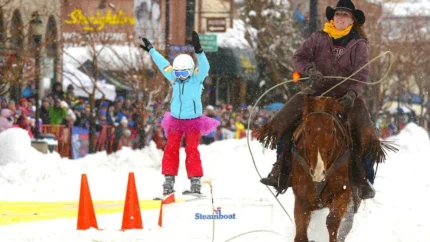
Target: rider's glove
x=195 y=42
x=314 y=75
x=348 y=100
x=148 y=46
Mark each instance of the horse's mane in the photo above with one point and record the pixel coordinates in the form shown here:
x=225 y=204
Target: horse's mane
x=327 y=105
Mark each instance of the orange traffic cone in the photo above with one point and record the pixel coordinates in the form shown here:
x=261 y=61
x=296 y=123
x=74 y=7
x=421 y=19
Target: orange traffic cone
x=86 y=213
x=132 y=218
x=169 y=199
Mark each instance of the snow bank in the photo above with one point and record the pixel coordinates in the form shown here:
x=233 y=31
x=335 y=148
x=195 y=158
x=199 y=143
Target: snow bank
x=15 y=146
x=412 y=138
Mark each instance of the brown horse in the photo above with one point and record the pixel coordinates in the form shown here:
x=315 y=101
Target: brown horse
x=320 y=168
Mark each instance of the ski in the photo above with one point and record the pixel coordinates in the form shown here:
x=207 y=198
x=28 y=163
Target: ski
x=197 y=195
x=161 y=198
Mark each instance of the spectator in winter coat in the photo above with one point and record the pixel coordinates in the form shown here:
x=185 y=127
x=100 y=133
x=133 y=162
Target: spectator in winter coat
x=3 y=103
x=57 y=91
x=126 y=139
x=5 y=121
x=29 y=90
x=58 y=112
x=70 y=97
x=24 y=123
x=24 y=106
x=44 y=112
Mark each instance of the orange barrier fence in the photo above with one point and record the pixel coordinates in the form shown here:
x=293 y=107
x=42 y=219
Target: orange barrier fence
x=103 y=140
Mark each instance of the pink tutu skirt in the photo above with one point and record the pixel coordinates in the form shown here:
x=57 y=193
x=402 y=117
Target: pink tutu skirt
x=203 y=123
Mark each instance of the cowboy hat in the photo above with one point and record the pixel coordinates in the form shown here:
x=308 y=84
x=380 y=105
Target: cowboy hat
x=346 y=5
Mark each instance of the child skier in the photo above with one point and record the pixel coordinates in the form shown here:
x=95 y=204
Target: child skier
x=185 y=117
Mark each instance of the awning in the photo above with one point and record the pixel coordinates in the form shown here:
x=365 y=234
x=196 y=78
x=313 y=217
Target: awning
x=83 y=84
x=110 y=57
x=234 y=63
x=104 y=75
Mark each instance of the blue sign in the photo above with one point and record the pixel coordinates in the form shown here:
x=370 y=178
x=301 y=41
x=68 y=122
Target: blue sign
x=80 y=142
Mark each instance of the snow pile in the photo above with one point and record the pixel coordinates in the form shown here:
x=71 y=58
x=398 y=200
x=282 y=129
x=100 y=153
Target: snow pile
x=15 y=146
x=412 y=138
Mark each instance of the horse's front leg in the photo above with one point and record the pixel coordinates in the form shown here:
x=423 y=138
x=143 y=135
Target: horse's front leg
x=334 y=218
x=302 y=217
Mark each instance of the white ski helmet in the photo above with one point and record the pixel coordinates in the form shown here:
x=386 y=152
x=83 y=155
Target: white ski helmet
x=183 y=62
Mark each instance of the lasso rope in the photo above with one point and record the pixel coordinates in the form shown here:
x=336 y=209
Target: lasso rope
x=306 y=78
x=209 y=182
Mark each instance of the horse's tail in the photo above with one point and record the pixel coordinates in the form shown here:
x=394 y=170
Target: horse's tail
x=380 y=149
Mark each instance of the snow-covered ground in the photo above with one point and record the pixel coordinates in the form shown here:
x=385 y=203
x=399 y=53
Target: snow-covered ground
x=399 y=211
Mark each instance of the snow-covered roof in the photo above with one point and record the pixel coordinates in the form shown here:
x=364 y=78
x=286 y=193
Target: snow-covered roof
x=234 y=37
x=407 y=9
x=406 y=21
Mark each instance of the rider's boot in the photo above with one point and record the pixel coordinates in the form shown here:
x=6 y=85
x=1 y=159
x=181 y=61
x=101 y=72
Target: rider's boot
x=272 y=178
x=279 y=177
x=367 y=190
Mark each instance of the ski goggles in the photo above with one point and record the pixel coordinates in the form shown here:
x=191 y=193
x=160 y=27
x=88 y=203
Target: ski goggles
x=182 y=73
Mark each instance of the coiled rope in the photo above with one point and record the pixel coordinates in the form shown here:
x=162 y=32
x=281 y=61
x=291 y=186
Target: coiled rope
x=384 y=77
x=209 y=182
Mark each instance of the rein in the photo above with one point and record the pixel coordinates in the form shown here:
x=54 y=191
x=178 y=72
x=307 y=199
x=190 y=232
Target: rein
x=340 y=159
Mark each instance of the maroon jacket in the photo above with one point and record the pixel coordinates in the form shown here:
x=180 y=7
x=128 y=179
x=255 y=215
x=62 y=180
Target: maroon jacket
x=317 y=51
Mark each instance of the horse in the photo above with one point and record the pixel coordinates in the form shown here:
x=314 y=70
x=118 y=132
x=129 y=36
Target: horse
x=320 y=168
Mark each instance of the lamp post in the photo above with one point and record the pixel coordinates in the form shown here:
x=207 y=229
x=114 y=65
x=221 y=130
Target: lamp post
x=313 y=16
x=37 y=31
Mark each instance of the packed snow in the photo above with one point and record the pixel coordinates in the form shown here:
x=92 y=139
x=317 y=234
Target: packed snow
x=399 y=211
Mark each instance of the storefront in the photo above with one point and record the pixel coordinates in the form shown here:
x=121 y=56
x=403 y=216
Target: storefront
x=232 y=73
x=109 y=33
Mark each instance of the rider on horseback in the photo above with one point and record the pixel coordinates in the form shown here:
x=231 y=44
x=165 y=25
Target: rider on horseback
x=340 y=49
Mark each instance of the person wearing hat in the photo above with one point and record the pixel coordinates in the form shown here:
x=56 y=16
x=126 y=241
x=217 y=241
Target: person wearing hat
x=340 y=49
x=69 y=96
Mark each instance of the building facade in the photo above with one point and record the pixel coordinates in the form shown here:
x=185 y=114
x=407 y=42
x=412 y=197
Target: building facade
x=17 y=47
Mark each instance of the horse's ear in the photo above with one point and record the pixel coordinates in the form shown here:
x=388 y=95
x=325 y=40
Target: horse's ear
x=336 y=107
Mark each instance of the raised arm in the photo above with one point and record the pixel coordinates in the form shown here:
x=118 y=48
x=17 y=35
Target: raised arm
x=203 y=67
x=163 y=65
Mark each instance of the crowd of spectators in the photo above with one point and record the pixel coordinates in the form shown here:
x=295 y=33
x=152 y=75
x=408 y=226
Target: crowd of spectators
x=64 y=108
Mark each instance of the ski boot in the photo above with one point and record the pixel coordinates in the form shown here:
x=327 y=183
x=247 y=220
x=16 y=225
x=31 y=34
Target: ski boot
x=195 y=185
x=168 y=185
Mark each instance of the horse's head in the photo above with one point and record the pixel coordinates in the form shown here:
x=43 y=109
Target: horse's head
x=321 y=139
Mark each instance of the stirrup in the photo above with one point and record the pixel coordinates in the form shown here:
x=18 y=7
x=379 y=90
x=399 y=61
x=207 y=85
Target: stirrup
x=282 y=188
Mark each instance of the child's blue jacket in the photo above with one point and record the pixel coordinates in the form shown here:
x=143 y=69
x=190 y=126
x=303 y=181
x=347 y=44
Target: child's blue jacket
x=186 y=97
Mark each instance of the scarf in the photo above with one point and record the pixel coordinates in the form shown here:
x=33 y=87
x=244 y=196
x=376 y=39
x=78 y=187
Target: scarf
x=331 y=30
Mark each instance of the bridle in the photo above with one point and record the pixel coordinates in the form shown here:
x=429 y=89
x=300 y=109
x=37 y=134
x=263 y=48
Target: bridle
x=340 y=159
